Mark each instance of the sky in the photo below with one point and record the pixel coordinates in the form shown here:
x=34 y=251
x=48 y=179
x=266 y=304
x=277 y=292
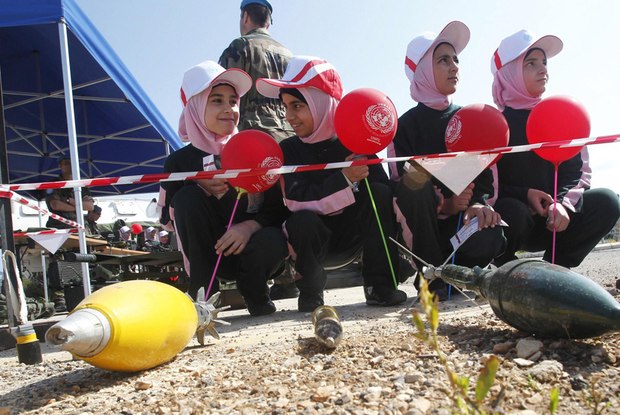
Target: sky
x=366 y=42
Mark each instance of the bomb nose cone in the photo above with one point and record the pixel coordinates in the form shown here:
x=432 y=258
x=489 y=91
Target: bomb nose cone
x=84 y=332
x=330 y=342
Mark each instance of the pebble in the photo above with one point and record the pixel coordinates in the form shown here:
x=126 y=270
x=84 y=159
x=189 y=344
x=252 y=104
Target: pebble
x=503 y=348
x=292 y=361
x=527 y=347
x=547 y=371
x=578 y=383
x=413 y=377
x=523 y=362
x=536 y=356
x=141 y=386
x=375 y=360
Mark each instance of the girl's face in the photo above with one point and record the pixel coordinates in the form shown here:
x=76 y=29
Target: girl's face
x=445 y=69
x=535 y=74
x=222 y=110
x=298 y=115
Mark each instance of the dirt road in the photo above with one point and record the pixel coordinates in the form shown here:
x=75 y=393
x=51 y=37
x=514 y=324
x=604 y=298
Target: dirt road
x=273 y=365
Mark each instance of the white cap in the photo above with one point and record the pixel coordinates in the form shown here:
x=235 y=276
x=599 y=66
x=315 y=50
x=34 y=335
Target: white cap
x=518 y=43
x=163 y=233
x=200 y=77
x=124 y=233
x=455 y=33
x=301 y=72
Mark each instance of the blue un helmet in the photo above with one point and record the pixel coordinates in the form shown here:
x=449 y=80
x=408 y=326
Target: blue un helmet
x=261 y=2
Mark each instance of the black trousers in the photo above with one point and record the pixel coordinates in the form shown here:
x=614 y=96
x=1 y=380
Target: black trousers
x=599 y=213
x=320 y=240
x=431 y=236
x=200 y=221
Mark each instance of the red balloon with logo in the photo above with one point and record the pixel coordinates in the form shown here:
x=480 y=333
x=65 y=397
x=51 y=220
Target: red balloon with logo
x=366 y=121
x=477 y=127
x=557 y=118
x=251 y=149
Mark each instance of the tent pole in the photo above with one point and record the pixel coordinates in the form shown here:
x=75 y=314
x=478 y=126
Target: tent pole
x=6 y=219
x=73 y=148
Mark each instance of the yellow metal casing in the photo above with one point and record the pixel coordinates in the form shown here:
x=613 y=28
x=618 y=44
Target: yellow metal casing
x=151 y=322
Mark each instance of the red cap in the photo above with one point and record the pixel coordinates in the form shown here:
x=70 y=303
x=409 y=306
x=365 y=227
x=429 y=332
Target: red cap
x=303 y=72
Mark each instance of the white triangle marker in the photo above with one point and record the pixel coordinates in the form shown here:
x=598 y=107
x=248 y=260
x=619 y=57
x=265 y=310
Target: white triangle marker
x=457 y=172
x=51 y=241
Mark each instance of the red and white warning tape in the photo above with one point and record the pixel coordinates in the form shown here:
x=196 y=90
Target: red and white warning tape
x=4 y=192
x=45 y=232
x=235 y=173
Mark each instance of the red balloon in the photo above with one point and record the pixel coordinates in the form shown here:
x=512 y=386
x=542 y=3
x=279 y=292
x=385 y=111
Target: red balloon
x=477 y=127
x=557 y=118
x=251 y=149
x=136 y=228
x=366 y=121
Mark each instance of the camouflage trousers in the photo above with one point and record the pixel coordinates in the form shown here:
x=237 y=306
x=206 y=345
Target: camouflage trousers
x=36 y=306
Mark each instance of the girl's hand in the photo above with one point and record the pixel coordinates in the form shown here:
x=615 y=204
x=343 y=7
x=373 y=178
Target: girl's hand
x=538 y=201
x=557 y=220
x=215 y=187
x=487 y=217
x=355 y=173
x=440 y=199
x=458 y=203
x=234 y=241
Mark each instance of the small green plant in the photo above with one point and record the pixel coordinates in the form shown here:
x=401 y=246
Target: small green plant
x=463 y=400
x=532 y=383
x=595 y=398
x=554 y=400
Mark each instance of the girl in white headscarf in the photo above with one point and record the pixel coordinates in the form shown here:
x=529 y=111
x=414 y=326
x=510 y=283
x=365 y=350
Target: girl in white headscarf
x=254 y=247
x=581 y=217
x=428 y=212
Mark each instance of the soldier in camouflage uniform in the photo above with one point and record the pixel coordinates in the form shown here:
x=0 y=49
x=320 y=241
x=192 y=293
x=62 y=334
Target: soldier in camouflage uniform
x=258 y=54
x=62 y=203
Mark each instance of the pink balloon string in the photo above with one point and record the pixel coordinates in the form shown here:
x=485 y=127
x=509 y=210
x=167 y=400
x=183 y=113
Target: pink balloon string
x=555 y=209
x=240 y=192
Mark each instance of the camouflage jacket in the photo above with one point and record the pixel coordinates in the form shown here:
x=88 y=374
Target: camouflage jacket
x=260 y=56
x=37 y=308
x=63 y=195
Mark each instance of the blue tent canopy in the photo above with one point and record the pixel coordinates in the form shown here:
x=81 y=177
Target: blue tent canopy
x=119 y=130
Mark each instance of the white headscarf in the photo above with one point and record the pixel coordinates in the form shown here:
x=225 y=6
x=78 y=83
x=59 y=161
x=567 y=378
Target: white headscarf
x=192 y=126
x=423 y=87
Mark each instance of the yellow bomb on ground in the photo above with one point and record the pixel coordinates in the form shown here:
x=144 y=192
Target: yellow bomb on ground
x=128 y=326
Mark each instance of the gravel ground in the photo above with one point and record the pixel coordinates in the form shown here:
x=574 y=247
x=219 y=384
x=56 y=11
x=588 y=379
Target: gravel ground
x=272 y=365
